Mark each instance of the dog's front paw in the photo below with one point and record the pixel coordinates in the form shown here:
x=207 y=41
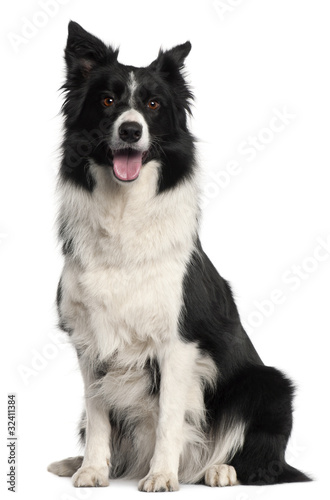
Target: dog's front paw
x=91 y=476
x=159 y=482
x=221 y=475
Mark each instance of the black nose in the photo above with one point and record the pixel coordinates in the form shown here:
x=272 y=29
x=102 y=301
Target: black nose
x=130 y=131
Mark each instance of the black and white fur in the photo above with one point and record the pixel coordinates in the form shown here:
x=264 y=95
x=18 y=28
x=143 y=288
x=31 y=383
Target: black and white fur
x=175 y=391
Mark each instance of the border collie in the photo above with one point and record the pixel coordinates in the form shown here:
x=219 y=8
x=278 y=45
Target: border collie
x=174 y=390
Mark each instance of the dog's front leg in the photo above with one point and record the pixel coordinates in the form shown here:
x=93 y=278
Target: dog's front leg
x=94 y=470
x=176 y=365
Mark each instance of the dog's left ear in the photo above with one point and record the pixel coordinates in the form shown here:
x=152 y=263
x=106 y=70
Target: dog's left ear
x=172 y=60
x=178 y=53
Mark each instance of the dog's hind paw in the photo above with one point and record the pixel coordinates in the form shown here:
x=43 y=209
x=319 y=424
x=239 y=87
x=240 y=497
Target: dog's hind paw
x=221 y=475
x=159 y=482
x=91 y=476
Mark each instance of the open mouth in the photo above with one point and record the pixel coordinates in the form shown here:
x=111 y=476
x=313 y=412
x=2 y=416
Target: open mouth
x=127 y=163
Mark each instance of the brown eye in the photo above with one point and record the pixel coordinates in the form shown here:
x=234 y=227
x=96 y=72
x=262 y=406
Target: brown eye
x=108 y=101
x=152 y=104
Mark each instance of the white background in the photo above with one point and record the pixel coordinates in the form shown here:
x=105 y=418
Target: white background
x=247 y=65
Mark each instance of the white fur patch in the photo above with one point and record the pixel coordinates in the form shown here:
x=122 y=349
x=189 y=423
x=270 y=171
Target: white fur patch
x=132 y=88
x=221 y=475
x=123 y=284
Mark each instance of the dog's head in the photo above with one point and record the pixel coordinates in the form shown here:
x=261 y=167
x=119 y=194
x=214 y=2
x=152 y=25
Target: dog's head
x=122 y=117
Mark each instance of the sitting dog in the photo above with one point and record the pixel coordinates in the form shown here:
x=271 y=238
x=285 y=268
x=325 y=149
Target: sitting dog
x=174 y=389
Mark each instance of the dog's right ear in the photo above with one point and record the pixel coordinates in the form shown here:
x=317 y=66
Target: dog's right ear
x=85 y=51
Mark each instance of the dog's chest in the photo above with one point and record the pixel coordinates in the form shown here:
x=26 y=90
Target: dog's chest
x=132 y=305
x=133 y=253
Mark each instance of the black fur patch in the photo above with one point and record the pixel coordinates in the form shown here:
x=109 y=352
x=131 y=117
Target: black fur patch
x=59 y=295
x=100 y=369
x=76 y=169
x=152 y=367
x=210 y=317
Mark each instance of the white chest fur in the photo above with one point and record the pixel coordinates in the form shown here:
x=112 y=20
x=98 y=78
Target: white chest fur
x=122 y=287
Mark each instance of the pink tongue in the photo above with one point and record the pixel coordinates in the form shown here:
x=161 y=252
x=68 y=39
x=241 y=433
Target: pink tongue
x=127 y=164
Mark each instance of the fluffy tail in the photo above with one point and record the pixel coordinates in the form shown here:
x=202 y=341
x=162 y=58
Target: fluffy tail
x=292 y=475
x=66 y=467
x=277 y=472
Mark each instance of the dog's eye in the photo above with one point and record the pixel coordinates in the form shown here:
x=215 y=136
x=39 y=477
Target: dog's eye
x=152 y=104
x=108 y=101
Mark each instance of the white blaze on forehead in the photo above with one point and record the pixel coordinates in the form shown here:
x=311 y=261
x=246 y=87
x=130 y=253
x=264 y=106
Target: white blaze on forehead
x=132 y=85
